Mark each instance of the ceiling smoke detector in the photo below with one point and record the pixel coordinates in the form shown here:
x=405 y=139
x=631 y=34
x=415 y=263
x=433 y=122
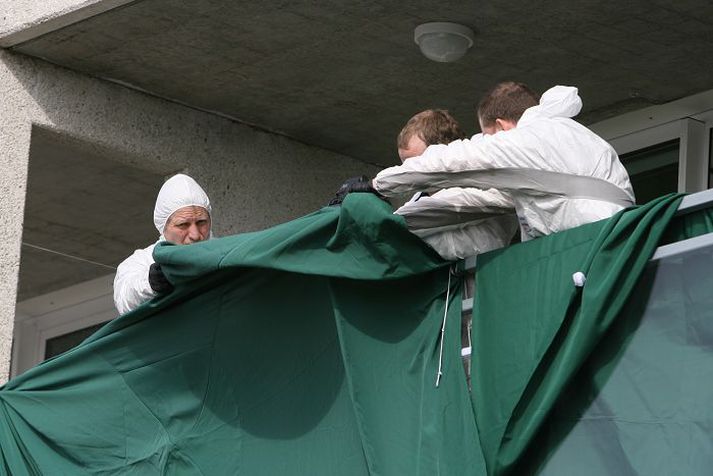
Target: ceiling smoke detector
x=442 y=41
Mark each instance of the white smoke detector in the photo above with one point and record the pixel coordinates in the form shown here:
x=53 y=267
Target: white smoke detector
x=442 y=41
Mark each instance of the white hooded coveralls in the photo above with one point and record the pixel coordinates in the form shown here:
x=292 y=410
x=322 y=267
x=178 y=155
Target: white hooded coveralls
x=558 y=173
x=131 y=283
x=461 y=222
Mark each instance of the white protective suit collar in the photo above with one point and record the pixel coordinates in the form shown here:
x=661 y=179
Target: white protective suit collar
x=179 y=191
x=558 y=101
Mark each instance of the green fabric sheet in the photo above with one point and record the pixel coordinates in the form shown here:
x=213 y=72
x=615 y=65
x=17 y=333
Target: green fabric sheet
x=307 y=349
x=312 y=348
x=641 y=403
x=543 y=349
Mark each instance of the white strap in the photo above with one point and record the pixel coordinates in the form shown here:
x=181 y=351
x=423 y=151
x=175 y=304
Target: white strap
x=433 y=212
x=532 y=182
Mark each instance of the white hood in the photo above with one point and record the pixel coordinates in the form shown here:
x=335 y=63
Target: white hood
x=179 y=191
x=558 y=101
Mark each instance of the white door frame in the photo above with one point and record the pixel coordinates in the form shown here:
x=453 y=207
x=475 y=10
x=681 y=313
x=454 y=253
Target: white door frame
x=57 y=313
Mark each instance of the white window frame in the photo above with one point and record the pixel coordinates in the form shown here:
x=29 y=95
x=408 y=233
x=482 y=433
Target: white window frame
x=689 y=120
x=57 y=313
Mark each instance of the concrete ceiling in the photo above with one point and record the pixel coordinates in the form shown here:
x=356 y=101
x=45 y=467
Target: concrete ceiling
x=81 y=215
x=346 y=75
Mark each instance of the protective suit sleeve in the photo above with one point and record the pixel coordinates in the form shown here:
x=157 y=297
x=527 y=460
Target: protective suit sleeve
x=131 y=283
x=455 y=205
x=437 y=167
x=475 y=200
x=462 y=222
x=470 y=239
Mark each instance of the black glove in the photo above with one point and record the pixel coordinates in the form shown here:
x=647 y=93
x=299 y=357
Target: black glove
x=158 y=281
x=361 y=184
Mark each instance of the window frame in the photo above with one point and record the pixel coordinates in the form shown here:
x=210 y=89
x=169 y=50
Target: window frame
x=57 y=313
x=689 y=120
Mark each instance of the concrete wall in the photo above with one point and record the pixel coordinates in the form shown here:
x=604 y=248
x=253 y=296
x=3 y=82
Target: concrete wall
x=255 y=179
x=14 y=150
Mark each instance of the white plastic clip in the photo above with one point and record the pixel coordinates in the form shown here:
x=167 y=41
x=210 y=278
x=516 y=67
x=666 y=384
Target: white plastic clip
x=579 y=279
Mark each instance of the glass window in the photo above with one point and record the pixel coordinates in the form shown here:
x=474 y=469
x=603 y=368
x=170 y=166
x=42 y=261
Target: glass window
x=653 y=170
x=60 y=344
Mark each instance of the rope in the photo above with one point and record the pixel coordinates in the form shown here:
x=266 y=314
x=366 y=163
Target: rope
x=69 y=256
x=443 y=331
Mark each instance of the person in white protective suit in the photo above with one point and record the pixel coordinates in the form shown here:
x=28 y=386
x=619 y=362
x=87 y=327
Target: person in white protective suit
x=182 y=215
x=558 y=173
x=456 y=222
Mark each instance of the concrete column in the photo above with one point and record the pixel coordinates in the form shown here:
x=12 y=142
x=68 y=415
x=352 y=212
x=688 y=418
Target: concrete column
x=15 y=132
x=14 y=151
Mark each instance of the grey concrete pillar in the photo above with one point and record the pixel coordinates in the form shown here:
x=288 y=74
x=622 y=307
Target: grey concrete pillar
x=15 y=132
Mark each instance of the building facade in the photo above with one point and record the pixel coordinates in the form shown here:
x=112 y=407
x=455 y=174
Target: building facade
x=93 y=120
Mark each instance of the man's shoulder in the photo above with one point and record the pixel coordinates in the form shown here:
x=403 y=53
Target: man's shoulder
x=555 y=128
x=146 y=251
x=142 y=255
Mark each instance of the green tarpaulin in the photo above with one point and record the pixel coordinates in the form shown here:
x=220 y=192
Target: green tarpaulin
x=312 y=348
x=597 y=380
x=309 y=348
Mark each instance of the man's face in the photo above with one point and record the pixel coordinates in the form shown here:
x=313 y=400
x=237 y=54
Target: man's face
x=187 y=225
x=414 y=148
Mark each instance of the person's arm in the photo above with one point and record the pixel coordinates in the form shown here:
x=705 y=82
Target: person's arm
x=455 y=205
x=440 y=164
x=131 y=283
x=360 y=184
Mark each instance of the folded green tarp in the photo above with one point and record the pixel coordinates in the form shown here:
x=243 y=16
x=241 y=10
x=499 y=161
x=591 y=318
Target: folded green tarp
x=313 y=348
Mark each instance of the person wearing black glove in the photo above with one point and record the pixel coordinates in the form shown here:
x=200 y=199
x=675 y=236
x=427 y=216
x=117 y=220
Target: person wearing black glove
x=360 y=184
x=158 y=281
x=182 y=216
